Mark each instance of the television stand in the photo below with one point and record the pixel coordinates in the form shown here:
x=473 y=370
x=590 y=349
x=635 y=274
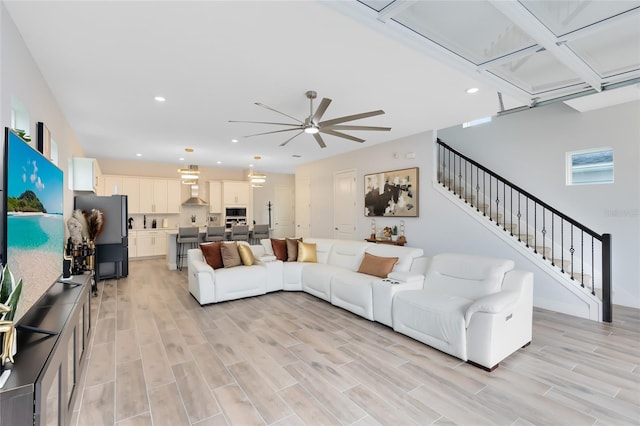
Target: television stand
x=43 y=383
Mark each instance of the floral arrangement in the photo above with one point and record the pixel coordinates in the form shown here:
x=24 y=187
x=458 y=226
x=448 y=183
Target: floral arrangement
x=95 y=223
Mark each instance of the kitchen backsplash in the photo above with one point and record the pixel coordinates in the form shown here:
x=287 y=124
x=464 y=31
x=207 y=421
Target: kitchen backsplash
x=173 y=221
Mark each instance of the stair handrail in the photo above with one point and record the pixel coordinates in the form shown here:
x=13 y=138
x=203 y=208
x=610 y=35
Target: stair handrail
x=605 y=239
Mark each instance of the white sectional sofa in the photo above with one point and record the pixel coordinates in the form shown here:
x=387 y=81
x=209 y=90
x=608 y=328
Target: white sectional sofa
x=475 y=308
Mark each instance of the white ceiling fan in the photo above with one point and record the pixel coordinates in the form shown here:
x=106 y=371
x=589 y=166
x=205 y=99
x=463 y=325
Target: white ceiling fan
x=313 y=126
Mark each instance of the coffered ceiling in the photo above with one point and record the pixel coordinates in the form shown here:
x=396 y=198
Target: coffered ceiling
x=105 y=62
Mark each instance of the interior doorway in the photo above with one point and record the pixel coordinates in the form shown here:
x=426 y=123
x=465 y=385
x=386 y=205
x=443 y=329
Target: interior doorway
x=344 y=205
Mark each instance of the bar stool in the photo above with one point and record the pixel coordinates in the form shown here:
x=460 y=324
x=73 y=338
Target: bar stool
x=259 y=232
x=188 y=237
x=215 y=233
x=240 y=233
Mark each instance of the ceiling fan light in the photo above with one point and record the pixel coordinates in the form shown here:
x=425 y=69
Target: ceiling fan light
x=311 y=129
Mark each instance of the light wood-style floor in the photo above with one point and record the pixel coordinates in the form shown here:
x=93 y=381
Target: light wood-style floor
x=157 y=358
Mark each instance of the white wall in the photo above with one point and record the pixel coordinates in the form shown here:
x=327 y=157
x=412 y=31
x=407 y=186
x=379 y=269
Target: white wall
x=534 y=142
x=378 y=158
x=21 y=78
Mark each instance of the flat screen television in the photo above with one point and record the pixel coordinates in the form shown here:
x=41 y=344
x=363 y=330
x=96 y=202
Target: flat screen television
x=32 y=219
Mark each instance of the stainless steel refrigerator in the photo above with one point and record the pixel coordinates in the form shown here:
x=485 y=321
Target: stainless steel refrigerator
x=112 y=252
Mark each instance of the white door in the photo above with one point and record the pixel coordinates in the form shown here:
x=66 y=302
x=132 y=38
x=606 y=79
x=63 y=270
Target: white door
x=283 y=212
x=344 y=205
x=303 y=206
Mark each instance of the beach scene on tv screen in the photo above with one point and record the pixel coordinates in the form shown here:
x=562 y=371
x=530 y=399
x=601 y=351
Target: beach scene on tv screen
x=35 y=223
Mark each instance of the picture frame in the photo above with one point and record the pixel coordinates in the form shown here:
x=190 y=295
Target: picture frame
x=43 y=140
x=392 y=193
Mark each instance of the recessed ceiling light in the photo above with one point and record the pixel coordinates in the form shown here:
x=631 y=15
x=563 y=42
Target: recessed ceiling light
x=138 y=155
x=160 y=98
x=250 y=165
x=234 y=140
x=218 y=162
x=472 y=90
x=181 y=159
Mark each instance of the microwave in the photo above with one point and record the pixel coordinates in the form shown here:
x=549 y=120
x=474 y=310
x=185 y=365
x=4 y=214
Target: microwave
x=236 y=212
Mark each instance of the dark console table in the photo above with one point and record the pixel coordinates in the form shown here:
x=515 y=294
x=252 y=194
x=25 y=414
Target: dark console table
x=52 y=338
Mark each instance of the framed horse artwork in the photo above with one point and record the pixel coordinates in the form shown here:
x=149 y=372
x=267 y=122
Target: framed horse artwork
x=392 y=194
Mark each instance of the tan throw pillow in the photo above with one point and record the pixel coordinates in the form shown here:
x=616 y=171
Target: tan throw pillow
x=307 y=252
x=292 y=249
x=212 y=254
x=279 y=248
x=230 y=255
x=246 y=255
x=376 y=265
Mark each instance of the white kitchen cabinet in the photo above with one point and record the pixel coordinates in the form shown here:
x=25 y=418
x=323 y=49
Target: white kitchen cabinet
x=131 y=188
x=146 y=196
x=151 y=243
x=215 y=196
x=174 y=195
x=112 y=184
x=159 y=195
x=235 y=193
x=123 y=185
x=133 y=243
x=85 y=174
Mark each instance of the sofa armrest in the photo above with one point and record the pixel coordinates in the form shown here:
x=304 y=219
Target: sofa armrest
x=266 y=258
x=406 y=277
x=200 y=266
x=492 y=304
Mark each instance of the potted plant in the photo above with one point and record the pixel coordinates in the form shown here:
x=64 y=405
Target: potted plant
x=394 y=233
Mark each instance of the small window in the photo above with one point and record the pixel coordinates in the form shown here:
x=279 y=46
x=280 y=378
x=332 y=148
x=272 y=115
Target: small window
x=590 y=166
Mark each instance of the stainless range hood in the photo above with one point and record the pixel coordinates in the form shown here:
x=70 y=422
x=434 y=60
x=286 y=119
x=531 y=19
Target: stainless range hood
x=194 y=200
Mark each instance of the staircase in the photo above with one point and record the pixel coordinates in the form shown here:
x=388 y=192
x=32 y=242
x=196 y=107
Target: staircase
x=579 y=257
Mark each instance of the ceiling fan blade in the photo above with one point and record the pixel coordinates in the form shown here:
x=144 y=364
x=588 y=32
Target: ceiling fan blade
x=351 y=118
x=275 y=131
x=341 y=135
x=319 y=140
x=291 y=138
x=275 y=110
x=263 y=122
x=324 y=104
x=349 y=127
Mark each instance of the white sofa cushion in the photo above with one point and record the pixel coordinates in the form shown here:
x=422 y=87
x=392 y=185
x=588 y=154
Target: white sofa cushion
x=323 y=248
x=467 y=276
x=347 y=254
x=436 y=319
x=353 y=292
x=316 y=279
x=240 y=281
